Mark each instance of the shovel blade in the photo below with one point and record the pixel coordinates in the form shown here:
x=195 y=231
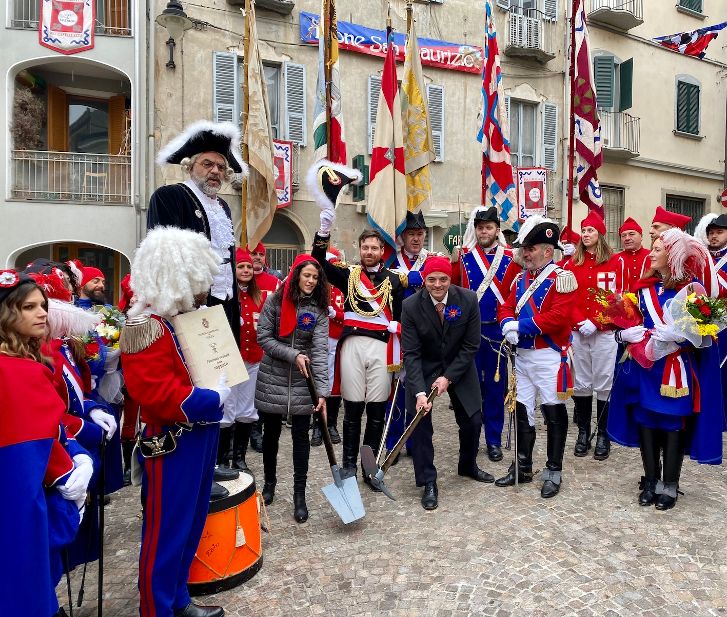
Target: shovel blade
x=346 y=500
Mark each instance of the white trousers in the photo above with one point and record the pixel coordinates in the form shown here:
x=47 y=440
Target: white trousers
x=240 y=405
x=364 y=374
x=537 y=374
x=332 y=344
x=594 y=359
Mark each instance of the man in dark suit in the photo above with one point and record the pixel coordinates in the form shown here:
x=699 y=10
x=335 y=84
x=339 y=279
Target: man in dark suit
x=440 y=328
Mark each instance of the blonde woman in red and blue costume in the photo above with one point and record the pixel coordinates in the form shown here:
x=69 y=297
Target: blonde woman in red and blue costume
x=171 y=273
x=647 y=410
x=44 y=474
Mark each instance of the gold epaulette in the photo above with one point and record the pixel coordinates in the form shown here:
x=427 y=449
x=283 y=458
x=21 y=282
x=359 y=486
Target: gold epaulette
x=403 y=276
x=139 y=333
x=565 y=281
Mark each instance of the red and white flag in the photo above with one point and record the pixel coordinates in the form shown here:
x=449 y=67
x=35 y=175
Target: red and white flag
x=387 y=191
x=588 y=153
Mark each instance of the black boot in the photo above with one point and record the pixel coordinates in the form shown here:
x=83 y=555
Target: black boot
x=316 y=439
x=352 y=414
x=673 y=457
x=268 y=492
x=223 y=471
x=650 y=448
x=127 y=447
x=301 y=455
x=271 y=439
x=525 y=445
x=583 y=411
x=556 y=419
x=256 y=436
x=603 y=443
x=239 y=450
x=375 y=420
x=333 y=404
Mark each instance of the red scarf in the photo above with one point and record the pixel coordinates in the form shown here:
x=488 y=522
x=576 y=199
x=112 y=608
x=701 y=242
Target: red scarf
x=289 y=312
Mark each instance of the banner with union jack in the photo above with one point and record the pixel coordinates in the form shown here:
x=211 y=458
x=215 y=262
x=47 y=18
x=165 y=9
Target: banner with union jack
x=497 y=178
x=693 y=43
x=588 y=153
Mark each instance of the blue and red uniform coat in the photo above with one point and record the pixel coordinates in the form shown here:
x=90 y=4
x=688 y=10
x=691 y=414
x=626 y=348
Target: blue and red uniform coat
x=591 y=275
x=470 y=274
x=158 y=379
x=34 y=456
x=402 y=263
x=546 y=318
x=698 y=370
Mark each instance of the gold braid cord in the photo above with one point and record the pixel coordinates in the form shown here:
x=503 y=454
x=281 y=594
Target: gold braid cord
x=382 y=294
x=511 y=395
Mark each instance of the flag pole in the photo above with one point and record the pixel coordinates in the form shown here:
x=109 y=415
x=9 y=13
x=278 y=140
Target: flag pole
x=245 y=114
x=326 y=21
x=572 y=132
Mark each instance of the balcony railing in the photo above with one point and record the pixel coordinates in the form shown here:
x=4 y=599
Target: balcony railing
x=529 y=35
x=621 y=14
x=113 y=17
x=71 y=177
x=620 y=134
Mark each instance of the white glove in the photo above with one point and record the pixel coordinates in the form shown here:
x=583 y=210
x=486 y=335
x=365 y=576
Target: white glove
x=327 y=217
x=393 y=327
x=587 y=327
x=634 y=334
x=512 y=337
x=510 y=326
x=105 y=420
x=77 y=484
x=331 y=312
x=568 y=249
x=666 y=335
x=222 y=389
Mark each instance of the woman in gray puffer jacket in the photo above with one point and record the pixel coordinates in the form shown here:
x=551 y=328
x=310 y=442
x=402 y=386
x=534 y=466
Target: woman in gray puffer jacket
x=293 y=332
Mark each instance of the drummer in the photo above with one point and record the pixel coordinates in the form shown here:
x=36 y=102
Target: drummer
x=177 y=471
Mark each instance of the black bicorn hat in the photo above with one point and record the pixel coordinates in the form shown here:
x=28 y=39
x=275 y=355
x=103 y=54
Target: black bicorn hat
x=203 y=136
x=325 y=180
x=415 y=220
x=538 y=230
x=490 y=214
x=720 y=221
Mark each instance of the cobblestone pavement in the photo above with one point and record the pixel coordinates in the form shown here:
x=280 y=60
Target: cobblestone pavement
x=485 y=551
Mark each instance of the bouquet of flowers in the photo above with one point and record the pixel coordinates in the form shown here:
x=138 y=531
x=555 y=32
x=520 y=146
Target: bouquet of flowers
x=710 y=314
x=616 y=310
x=106 y=333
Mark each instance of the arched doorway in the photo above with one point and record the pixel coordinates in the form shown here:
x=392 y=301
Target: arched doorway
x=113 y=264
x=282 y=243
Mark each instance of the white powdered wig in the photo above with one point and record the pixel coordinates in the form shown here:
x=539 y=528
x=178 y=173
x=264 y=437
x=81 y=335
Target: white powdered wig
x=223 y=129
x=65 y=319
x=311 y=180
x=700 y=232
x=171 y=267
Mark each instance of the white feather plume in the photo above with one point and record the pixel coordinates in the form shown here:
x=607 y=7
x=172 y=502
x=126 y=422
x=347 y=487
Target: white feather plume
x=529 y=225
x=686 y=256
x=65 y=319
x=700 y=232
x=224 y=129
x=311 y=180
x=76 y=271
x=171 y=267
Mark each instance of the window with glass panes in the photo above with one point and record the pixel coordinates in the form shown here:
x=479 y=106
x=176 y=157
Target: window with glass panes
x=522 y=133
x=613 y=210
x=690 y=206
x=272 y=81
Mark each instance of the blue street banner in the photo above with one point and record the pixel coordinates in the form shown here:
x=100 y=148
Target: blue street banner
x=356 y=38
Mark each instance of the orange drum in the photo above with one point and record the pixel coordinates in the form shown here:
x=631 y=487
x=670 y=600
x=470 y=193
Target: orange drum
x=230 y=550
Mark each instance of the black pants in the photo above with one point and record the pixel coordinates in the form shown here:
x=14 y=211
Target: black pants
x=232 y=312
x=272 y=426
x=423 y=448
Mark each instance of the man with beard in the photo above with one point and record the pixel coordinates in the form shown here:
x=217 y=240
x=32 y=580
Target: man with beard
x=93 y=288
x=209 y=153
x=487 y=268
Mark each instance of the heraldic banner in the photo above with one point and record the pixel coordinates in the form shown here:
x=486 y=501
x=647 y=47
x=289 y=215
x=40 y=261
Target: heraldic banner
x=67 y=26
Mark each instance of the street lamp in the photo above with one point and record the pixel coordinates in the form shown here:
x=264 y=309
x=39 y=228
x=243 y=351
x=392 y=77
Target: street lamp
x=176 y=22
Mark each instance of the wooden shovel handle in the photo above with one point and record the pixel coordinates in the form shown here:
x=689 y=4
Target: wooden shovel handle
x=407 y=433
x=324 y=425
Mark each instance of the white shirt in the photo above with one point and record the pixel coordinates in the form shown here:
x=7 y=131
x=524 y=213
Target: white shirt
x=222 y=239
x=443 y=300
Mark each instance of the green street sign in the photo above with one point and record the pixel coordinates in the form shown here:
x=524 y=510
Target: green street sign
x=453 y=236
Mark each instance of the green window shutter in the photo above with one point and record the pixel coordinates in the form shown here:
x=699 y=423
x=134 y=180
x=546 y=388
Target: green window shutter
x=625 y=83
x=603 y=70
x=692 y=5
x=687 y=108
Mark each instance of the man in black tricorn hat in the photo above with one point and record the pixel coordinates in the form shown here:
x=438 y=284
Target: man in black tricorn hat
x=210 y=153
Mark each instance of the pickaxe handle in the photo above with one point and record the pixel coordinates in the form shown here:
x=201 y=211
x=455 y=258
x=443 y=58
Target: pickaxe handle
x=407 y=433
